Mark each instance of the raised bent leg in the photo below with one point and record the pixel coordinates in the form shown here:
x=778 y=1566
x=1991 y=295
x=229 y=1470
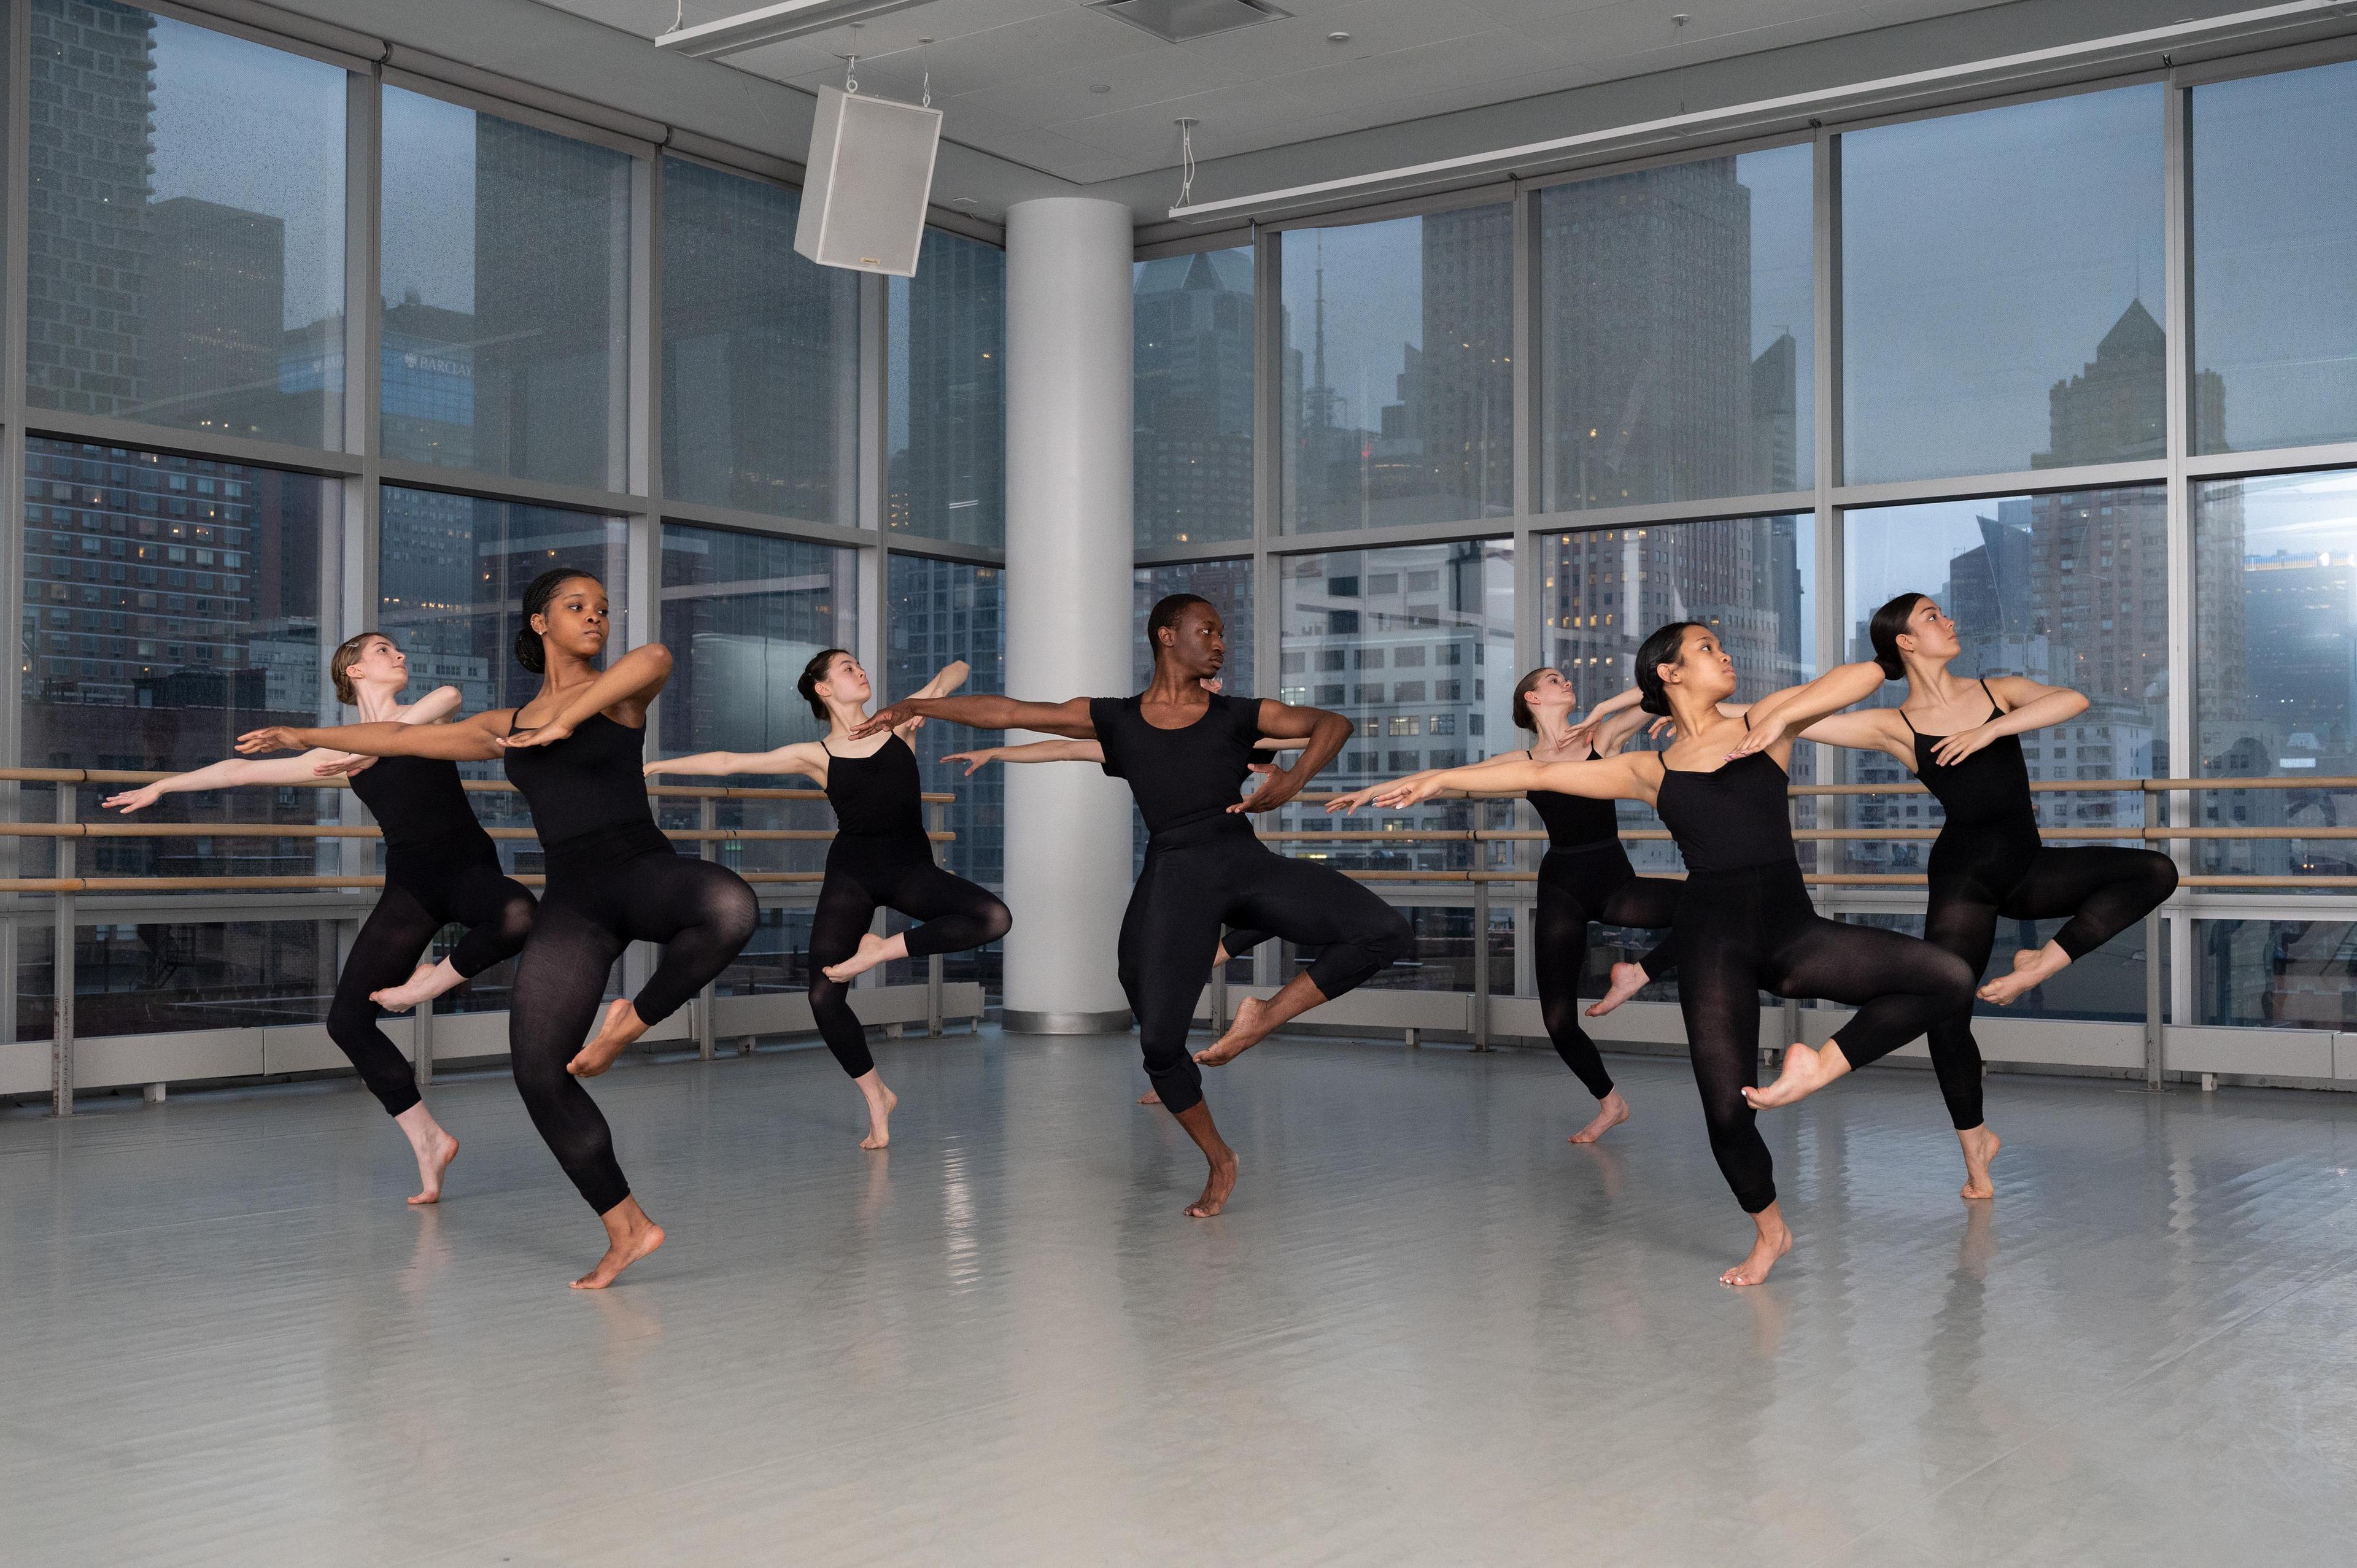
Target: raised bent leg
x=956 y=915
x=1898 y=985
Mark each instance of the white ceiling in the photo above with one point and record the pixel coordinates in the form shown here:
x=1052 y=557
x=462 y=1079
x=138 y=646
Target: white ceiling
x=1016 y=78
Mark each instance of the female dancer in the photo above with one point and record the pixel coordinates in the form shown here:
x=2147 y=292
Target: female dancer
x=613 y=878
x=1962 y=739
x=1586 y=877
x=880 y=857
x=440 y=868
x=1185 y=753
x=1744 y=920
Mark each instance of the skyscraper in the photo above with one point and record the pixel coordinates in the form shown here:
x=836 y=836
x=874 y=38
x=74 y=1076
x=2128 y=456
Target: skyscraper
x=1193 y=374
x=215 y=318
x=950 y=479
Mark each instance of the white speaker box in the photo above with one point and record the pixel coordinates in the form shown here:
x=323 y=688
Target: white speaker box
x=871 y=174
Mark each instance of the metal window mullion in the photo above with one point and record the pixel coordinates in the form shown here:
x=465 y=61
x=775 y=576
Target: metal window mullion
x=2176 y=239
x=15 y=246
x=1529 y=495
x=1268 y=474
x=1825 y=430
x=873 y=412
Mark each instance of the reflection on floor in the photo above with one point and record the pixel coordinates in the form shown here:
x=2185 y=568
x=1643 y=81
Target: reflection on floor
x=1429 y=1331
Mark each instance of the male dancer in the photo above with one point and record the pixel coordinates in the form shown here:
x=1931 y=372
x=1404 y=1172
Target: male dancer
x=1186 y=752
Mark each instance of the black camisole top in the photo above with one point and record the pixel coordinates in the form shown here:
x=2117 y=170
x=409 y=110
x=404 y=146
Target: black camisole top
x=879 y=796
x=1731 y=818
x=418 y=803
x=1574 y=821
x=1990 y=788
x=586 y=793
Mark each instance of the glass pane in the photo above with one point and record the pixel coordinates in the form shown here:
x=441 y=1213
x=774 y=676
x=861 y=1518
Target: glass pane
x=187 y=261
x=742 y=614
x=2275 y=259
x=947 y=403
x=2276 y=619
x=1192 y=360
x=158 y=977
x=1678 y=304
x=1398 y=372
x=451 y=572
x=2069 y=588
x=1441 y=958
x=938 y=611
x=2291 y=974
x=1604 y=592
x=1415 y=644
x=507 y=293
x=760 y=354
x=171 y=604
x=2001 y=289
x=2104 y=986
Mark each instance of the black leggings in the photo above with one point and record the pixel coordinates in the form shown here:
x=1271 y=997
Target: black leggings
x=700 y=913
x=1752 y=929
x=1594 y=882
x=422 y=894
x=1980 y=878
x=1209 y=873
x=897 y=874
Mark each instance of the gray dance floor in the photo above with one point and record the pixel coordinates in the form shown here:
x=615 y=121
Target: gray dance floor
x=1429 y=1331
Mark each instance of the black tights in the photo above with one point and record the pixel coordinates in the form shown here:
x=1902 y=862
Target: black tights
x=1575 y=887
x=2102 y=889
x=1745 y=931
x=863 y=874
x=418 y=901
x=1200 y=876
x=699 y=912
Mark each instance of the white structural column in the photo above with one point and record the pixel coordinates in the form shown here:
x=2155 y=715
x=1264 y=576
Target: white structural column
x=1068 y=599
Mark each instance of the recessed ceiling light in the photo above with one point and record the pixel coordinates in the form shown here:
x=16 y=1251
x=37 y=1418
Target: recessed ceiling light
x=963 y=202
x=1182 y=21
x=1100 y=87
x=1337 y=37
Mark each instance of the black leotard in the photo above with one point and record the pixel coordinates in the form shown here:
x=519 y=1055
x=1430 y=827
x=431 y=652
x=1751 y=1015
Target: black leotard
x=1988 y=862
x=613 y=879
x=1205 y=867
x=1586 y=877
x=881 y=858
x=1745 y=925
x=440 y=868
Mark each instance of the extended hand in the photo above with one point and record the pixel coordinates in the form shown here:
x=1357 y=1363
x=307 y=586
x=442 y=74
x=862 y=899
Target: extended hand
x=276 y=738
x=974 y=760
x=539 y=734
x=1356 y=801
x=1405 y=792
x=892 y=717
x=1961 y=744
x=1281 y=786
x=344 y=766
x=132 y=801
x=1761 y=735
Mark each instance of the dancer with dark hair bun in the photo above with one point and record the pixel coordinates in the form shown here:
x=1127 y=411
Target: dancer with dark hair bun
x=1586 y=877
x=1961 y=739
x=440 y=868
x=573 y=751
x=1185 y=753
x=1744 y=923
x=880 y=858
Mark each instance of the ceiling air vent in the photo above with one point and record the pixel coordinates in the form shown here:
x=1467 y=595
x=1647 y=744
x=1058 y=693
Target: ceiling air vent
x=1183 y=21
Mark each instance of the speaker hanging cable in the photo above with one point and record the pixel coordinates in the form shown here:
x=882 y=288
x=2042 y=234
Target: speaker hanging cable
x=1186 y=161
x=851 y=62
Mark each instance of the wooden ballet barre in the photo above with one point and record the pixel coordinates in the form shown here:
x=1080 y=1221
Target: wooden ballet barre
x=479 y=786
x=127 y=829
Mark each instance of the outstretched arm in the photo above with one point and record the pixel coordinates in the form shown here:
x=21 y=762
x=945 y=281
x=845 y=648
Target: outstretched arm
x=1035 y=751
x=1635 y=776
x=2035 y=705
x=1782 y=714
x=1865 y=729
x=475 y=740
x=1068 y=718
x=803 y=757
x=228 y=774
x=636 y=679
x=1356 y=801
x=1325 y=733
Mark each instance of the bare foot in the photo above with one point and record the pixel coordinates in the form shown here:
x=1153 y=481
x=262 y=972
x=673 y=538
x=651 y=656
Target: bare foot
x=1611 y=1112
x=2028 y=968
x=1806 y=1072
x=1773 y=1242
x=629 y=1235
x=1250 y=1028
x=1980 y=1147
x=859 y=963
x=881 y=1103
x=430 y=980
x=1628 y=979
x=1216 y=1189
x=1149 y=1097
x=434 y=1157
x=621 y=1028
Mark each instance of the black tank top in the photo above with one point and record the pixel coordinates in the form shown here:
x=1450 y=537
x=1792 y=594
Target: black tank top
x=879 y=796
x=1731 y=818
x=1180 y=777
x=586 y=790
x=417 y=801
x=1574 y=821
x=1990 y=788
